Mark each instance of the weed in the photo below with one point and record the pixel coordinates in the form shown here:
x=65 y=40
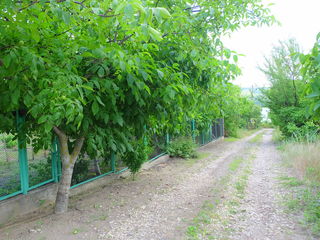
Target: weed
x=257 y=138
x=235 y=164
x=42 y=202
x=75 y=231
x=290 y=181
x=231 y=139
x=40 y=222
x=182 y=147
x=191 y=161
x=192 y=233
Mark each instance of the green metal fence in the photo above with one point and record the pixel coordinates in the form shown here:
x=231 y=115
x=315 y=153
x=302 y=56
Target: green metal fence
x=21 y=169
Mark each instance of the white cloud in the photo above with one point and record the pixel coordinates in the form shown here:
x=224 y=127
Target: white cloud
x=299 y=19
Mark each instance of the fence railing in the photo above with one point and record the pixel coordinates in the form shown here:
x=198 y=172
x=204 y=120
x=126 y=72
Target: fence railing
x=22 y=170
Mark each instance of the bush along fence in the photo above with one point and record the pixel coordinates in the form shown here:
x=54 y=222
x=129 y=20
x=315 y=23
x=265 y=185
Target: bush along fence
x=22 y=169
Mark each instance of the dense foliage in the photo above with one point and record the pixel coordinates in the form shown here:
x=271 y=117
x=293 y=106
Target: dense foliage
x=99 y=72
x=240 y=111
x=311 y=72
x=182 y=147
x=286 y=96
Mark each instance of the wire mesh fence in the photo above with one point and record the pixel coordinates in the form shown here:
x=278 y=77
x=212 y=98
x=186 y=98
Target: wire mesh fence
x=9 y=166
x=23 y=169
x=87 y=168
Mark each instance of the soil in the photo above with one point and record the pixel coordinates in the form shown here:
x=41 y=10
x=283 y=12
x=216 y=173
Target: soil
x=163 y=201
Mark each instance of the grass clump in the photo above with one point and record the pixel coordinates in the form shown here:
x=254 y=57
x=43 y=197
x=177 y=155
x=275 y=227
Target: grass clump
x=182 y=147
x=235 y=164
x=304 y=158
x=257 y=138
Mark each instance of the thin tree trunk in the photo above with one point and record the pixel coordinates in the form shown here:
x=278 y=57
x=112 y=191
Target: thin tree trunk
x=68 y=160
x=96 y=167
x=6 y=151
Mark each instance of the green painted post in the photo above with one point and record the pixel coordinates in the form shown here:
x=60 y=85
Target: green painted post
x=145 y=140
x=193 y=128
x=202 y=137
x=22 y=155
x=113 y=162
x=54 y=160
x=167 y=138
x=59 y=165
x=222 y=127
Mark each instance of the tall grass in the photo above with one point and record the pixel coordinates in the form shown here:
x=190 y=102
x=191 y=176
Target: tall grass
x=304 y=157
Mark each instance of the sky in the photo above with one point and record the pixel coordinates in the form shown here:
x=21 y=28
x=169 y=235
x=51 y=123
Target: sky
x=300 y=19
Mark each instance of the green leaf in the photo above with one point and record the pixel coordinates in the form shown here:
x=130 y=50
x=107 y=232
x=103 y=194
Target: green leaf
x=164 y=12
x=99 y=100
x=35 y=34
x=101 y=72
x=95 y=108
x=42 y=119
x=118 y=119
x=317 y=106
x=155 y=35
x=6 y=61
x=235 y=58
x=160 y=74
x=314 y=94
x=66 y=18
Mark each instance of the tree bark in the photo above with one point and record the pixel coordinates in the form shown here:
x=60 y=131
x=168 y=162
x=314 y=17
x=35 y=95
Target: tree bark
x=96 y=167
x=68 y=160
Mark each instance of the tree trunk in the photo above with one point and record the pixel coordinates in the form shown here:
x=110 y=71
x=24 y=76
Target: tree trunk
x=96 y=167
x=68 y=160
x=62 y=199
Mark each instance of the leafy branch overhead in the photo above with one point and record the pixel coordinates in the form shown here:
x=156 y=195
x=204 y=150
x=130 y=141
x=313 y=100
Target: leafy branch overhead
x=103 y=70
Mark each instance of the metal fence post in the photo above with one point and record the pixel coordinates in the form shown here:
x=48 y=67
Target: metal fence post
x=193 y=128
x=145 y=140
x=202 y=137
x=54 y=160
x=113 y=162
x=222 y=123
x=167 y=138
x=22 y=154
x=59 y=164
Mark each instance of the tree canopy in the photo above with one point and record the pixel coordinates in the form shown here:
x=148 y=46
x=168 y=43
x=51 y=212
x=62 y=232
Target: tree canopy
x=98 y=72
x=286 y=96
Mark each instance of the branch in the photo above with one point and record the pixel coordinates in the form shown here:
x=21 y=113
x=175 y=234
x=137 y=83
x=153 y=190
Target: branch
x=77 y=148
x=58 y=34
x=108 y=16
x=122 y=40
x=63 y=140
x=126 y=38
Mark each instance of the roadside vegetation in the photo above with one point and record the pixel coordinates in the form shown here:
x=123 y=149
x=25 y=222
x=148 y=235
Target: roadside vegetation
x=293 y=100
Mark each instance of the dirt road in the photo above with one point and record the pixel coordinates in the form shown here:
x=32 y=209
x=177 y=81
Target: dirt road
x=230 y=192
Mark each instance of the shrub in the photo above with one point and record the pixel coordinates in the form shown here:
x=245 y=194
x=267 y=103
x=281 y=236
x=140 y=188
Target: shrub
x=137 y=156
x=9 y=140
x=182 y=147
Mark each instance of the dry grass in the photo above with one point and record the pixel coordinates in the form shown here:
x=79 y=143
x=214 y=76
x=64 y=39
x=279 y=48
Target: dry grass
x=304 y=158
